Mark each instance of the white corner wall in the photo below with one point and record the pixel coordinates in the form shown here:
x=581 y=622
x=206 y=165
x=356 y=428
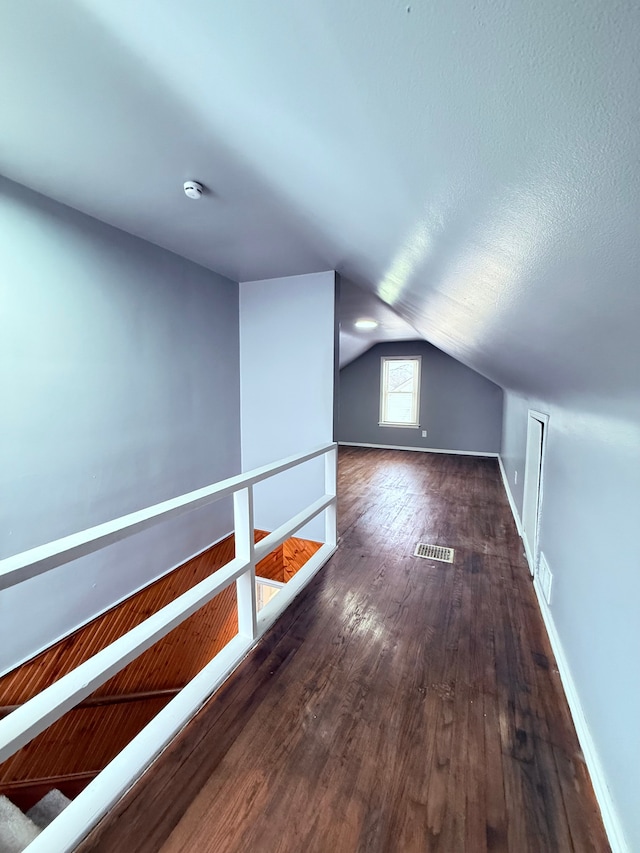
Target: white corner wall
x=287 y=358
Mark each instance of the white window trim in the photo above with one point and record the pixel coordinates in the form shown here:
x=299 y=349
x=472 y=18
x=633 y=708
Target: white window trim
x=415 y=424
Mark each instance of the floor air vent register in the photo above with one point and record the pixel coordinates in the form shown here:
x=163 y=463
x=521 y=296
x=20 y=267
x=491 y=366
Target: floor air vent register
x=434 y=552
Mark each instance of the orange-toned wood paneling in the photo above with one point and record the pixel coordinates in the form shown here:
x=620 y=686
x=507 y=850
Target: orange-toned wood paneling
x=175 y=660
x=32 y=677
x=272 y=566
x=87 y=738
x=295 y=553
x=82 y=741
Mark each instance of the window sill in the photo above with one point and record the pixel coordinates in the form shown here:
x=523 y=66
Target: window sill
x=400 y=426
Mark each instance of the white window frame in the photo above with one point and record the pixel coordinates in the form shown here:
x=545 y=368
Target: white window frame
x=415 y=423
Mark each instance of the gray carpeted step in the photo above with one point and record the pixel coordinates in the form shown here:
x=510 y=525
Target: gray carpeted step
x=48 y=808
x=16 y=830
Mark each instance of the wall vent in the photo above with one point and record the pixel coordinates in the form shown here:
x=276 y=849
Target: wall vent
x=434 y=552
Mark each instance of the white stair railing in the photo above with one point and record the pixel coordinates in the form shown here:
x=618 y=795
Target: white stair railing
x=34 y=716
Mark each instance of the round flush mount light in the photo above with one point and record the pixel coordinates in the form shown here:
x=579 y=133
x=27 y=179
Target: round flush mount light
x=192 y=189
x=365 y=324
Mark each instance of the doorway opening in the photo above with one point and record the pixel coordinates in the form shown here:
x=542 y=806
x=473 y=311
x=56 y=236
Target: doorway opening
x=537 y=427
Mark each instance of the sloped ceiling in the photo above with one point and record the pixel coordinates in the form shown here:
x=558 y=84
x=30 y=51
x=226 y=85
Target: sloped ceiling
x=475 y=166
x=355 y=304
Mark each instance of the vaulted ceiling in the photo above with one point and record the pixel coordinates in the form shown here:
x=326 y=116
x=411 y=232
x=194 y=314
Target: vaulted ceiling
x=474 y=166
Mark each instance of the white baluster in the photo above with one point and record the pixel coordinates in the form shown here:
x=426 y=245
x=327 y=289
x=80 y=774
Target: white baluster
x=331 y=488
x=245 y=548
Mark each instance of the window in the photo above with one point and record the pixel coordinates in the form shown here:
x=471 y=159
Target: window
x=400 y=391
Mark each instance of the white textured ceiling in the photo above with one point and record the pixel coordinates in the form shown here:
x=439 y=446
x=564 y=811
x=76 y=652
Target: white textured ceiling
x=476 y=166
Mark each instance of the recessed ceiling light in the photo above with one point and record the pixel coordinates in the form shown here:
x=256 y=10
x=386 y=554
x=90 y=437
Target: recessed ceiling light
x=365 y=324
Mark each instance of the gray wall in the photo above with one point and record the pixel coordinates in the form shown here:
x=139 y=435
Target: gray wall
x=588 y=534
x=287 y=351
x=460 y=409
x=119 y=388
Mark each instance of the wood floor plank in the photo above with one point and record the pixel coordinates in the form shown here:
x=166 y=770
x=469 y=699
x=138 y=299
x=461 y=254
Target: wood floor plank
x=400 y=704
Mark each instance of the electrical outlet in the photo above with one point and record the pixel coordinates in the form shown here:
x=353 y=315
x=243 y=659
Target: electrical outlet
x=515 y=478
x=424 y=433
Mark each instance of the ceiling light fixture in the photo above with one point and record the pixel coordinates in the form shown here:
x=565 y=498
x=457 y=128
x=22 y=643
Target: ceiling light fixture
x=365 y=324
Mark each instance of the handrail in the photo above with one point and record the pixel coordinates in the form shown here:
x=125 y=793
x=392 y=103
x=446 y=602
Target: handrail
x=35 y=715
x=36 y=561
x=281 y=534
x=38 y=713
x=65 y=833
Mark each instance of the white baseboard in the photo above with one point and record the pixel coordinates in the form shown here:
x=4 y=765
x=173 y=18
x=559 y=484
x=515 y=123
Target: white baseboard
x=610 y=817
x=420 y=449
x=512 y=503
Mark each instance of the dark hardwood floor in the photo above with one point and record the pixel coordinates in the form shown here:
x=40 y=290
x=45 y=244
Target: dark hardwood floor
x=400 y=704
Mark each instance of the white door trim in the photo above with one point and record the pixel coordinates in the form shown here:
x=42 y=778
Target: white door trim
x=532 y=553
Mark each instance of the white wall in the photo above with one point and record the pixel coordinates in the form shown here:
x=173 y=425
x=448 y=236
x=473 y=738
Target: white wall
x=119 y=388
x=287 y=354
x=588 y=533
